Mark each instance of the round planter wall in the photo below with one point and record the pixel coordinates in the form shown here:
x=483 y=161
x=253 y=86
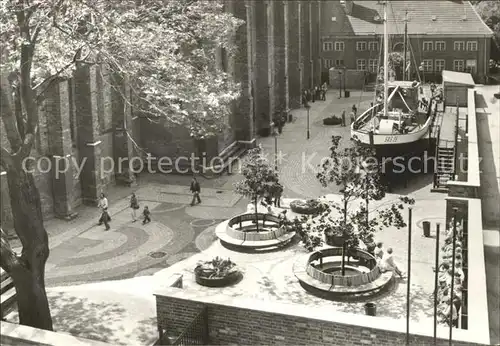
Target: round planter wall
x=218 y=282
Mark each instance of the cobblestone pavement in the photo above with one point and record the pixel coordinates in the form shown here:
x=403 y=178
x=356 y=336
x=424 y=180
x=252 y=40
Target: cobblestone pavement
x=298 y=157
x=89 y=253
x=81 y=251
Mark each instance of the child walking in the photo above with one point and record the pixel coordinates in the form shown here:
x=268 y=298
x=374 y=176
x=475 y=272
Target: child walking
x=147 y=215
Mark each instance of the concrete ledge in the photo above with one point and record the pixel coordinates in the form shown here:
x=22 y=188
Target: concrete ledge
x=16 y=334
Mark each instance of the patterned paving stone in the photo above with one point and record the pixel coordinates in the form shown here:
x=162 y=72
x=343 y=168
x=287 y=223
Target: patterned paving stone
x=158 y=236
x=204 y=212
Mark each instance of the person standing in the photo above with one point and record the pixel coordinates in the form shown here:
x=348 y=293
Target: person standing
x=324 y=89
x=355 y=110
x=103 y=206
x=147 y=215
x=134 y=205
x=343 y=117
x=195 y=189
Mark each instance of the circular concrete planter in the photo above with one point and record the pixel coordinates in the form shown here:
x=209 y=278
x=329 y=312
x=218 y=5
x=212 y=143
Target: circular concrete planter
x=230 y=279
x=308 y=207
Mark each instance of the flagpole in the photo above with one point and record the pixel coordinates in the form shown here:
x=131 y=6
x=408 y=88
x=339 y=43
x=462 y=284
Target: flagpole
x=436 y=275
x=408 y=281
x=405 y=44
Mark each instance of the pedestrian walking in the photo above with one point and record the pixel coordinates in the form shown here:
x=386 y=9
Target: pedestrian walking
x=355 y=110
x=103 y=206
x=353 y=118
x=343 y=117
x=313 y=95
x=324 y=89
x=147 y=215
x=134 y=205
x=195 y=189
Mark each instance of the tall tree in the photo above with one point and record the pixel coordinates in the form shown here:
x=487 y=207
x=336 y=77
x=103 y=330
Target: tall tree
x=259 y=179
x=355 y=169
x=164 y=48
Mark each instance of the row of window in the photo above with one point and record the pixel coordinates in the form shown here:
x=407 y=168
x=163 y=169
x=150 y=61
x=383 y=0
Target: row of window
x=340 y=46
x=428 y=65
x=428 y=46
x=469 y=65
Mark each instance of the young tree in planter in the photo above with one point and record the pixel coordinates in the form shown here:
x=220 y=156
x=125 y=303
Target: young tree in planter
x=355 y=170
x=260 y=179
x=165 y=49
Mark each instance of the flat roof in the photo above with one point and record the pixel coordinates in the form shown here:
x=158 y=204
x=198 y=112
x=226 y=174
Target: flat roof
x=458 y=78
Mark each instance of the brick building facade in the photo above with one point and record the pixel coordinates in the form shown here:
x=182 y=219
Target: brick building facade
x=85 y=118
x=441 y=35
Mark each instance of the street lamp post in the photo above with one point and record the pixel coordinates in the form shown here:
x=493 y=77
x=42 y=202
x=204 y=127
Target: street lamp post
x=276 y=134
x=340 y=84
x=308 y=133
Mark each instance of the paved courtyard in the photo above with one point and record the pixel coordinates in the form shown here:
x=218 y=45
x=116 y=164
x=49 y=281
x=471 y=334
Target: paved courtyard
x=82 y=252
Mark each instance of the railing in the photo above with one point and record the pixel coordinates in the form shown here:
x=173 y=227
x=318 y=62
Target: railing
x=455 y=158
x=196 y=333
x=437 y=155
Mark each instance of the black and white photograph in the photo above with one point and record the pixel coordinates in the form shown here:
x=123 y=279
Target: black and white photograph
x=249 y=172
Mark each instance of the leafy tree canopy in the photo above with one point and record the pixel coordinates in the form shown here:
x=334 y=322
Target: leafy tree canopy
x=259 y=178
x=166 y=48
x=490 y=13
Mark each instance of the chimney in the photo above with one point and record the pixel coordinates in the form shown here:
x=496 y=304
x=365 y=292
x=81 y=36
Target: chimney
x=347 y=4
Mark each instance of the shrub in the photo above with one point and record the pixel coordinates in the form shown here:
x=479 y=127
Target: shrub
x=217 y=268
x=333 y=120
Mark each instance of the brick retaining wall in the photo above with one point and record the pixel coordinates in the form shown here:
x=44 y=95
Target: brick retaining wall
x=245 y=322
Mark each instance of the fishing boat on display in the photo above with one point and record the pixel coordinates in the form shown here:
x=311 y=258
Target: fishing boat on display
x=400 y=115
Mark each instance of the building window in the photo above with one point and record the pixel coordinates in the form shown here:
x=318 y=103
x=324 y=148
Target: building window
x=373 y=45
x=339 y=46
x=361 y=64
x=439 y=65
x=361 y=46
x=440 y=46
x=327 y=46
x=427 y=65
x=472 y=45
x=458 y=65
x=459 y=45
x=428 y=46
x=373 y=65
x=339 y=62
x=328 y=63
x=471 y=66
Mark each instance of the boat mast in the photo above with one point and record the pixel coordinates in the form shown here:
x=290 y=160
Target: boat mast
x=386 y=60
x=405 y=45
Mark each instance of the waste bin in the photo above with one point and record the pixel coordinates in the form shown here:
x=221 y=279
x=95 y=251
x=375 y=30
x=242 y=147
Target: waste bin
x=427 y=228
x=290 y=117
x=371 y=309
x=347 y=93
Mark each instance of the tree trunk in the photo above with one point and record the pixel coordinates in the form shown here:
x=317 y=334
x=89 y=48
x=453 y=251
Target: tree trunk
x=344 y=245
x=28 y=269
x=256 y=215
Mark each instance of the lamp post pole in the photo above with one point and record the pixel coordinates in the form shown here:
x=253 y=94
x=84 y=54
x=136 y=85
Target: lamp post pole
x=276 y=150
x=340 y=84
x=308 y=133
